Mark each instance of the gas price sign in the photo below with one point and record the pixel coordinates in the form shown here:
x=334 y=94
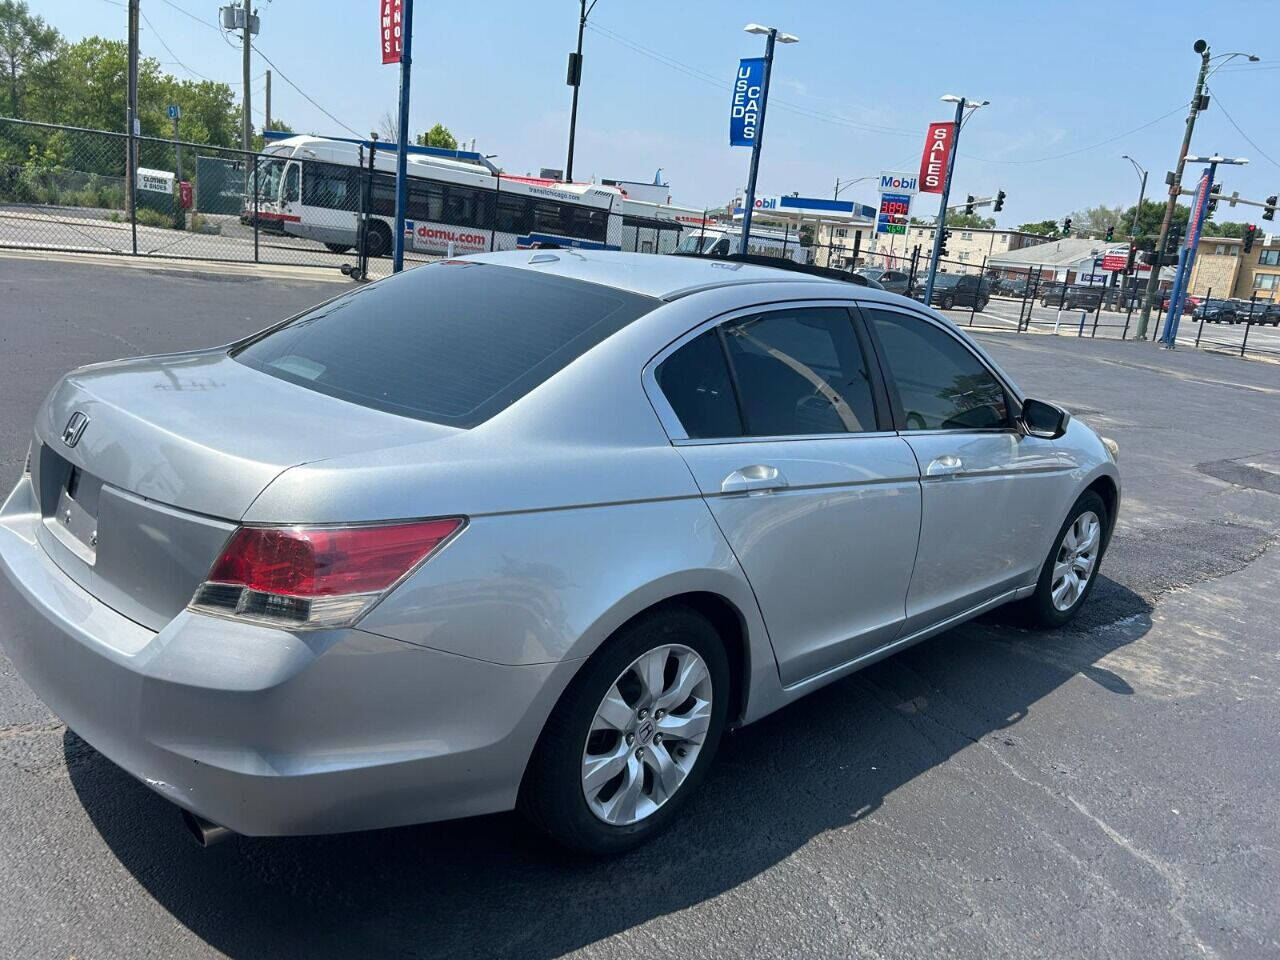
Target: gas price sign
x=895 y=211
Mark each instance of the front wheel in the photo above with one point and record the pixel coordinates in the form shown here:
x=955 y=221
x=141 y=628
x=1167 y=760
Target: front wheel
x=633 y=735
x=1070 y=570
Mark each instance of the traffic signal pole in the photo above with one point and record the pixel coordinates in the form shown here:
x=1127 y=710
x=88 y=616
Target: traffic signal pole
x=942 y=206
x=1154 y=283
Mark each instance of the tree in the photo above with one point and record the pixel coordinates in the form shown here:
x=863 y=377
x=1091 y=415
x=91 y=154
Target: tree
x=438 y=136
x=1228 y=228
x=1044 y=228
x=278 y=126
x=388 y=127
x=957 y=218
x=27 y=44
x=1149 y=220
x=1095 y=221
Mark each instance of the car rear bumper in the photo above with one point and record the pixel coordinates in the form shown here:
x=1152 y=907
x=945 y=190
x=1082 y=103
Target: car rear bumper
x=265 y=731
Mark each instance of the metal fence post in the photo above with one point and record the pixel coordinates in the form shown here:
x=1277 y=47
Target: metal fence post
x=255 y=208
x=1200 y=328
x=1247 y=324
x=982 y=275
x=1097 y=312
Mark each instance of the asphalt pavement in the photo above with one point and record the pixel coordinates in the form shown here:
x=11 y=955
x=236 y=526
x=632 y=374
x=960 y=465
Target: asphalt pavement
x=1108 y=790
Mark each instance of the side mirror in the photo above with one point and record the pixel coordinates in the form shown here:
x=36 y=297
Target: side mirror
x=1043 y=420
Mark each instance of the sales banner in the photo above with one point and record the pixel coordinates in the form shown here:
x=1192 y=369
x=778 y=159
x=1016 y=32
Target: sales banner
x=937 y=153
x=390 y=24
x=748 y=98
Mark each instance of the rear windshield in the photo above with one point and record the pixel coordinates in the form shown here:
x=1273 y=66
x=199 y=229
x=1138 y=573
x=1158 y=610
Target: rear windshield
x=453 y=342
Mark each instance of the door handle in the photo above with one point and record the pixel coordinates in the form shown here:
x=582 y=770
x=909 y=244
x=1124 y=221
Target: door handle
x=758 y=478
x=945 y=466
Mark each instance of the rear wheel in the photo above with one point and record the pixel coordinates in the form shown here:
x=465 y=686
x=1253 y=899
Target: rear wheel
x=633 y=735
x=379 y=239
x=1070 y=570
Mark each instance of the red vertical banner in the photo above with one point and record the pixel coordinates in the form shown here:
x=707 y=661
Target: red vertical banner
x=390 y=24
x=937 y=153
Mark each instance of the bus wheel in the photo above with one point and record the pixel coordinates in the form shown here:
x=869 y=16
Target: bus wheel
x=337 y=247
x=379 y=241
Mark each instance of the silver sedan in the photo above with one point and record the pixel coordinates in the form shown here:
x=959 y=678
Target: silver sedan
x=523 y=530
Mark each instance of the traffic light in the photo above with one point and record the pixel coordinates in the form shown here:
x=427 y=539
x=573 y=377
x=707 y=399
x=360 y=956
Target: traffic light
x=942 y=250
x=1270 y=212
x=999 y=204
x=1066 y=226
x=1250 y=232
x=1111 y=234
x=968 y=206
x=1133 y=255
x=1214 y=190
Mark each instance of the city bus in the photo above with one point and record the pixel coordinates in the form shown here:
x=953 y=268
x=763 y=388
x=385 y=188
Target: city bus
x=309 y=187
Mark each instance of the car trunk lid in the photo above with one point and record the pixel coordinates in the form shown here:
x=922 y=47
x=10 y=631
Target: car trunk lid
x=145 y=467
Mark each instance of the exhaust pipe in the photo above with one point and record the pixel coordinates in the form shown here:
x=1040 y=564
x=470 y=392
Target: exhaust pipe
x=205 y=832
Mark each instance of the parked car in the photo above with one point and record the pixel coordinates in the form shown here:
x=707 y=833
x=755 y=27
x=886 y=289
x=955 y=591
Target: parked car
x=956 y=290
x=895 y=281
x=1073 y=297
x=1270 y=314
x=1188 y=305
x=1217 y=311
x=527 y=529
x=1009 y=286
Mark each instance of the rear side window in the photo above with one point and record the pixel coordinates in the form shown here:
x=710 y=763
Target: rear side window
x=450 y=342
x=695 y=381
x=941 y=384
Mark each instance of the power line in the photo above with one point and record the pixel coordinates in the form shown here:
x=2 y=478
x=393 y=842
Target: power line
x=1092 y=146
x=1230 y=119
x=188 y=13
x=285 y=77
x=156 y=33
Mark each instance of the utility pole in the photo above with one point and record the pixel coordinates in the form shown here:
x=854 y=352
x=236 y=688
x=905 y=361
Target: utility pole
x=1202 y=48
x=574 y=79
x=246 y=121
x=266 y=125
x=131 y=124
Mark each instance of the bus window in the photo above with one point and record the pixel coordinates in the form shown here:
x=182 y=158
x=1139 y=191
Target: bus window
x=513 y=214
x=589 y=224
x=329 y=185
x=382 y=195
x=426 y=201
x=461 y=205
x=547 y=217
x=291 y=191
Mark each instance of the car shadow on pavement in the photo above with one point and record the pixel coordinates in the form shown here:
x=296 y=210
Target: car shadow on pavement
x=490 y=887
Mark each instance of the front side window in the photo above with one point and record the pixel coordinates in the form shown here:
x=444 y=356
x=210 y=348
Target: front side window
x=941 y=384
x=291 y=189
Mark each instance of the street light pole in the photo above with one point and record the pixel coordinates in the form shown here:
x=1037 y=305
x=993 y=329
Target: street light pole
x=575 y=80
x=748 y=204
x=961 y=103
x=1142 y=192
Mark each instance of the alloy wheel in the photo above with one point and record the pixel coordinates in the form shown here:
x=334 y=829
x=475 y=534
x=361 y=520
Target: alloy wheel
x=1076 y=560
x=646 y=734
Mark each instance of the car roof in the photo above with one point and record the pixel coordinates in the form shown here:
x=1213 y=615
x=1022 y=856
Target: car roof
x=654 y=275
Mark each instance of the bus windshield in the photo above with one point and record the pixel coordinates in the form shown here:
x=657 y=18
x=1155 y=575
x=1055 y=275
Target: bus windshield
x=270 y=174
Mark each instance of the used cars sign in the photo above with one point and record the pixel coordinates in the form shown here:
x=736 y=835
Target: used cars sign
x=744 y=112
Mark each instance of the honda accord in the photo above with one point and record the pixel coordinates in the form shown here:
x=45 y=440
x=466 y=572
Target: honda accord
x=523 y=530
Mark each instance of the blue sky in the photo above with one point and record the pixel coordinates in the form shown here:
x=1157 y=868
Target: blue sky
x=852 y=98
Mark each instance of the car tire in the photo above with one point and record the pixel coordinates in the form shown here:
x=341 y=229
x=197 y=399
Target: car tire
x=378 y=243
x=1041 y=609
x=554 y=792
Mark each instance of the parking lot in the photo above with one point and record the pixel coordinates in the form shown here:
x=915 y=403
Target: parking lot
x=1108 y=790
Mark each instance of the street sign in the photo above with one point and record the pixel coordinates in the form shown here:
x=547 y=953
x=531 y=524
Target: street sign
x=1096 y=277
x=390 y=25
x=744 y=108
x=937 y=151
x=155 y=181
x=895 y=212
x=175 y=111
x=1115 y=261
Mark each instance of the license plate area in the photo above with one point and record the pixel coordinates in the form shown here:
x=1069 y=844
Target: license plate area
x=70 y=506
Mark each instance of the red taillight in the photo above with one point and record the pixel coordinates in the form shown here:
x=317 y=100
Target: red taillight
x=316 y=575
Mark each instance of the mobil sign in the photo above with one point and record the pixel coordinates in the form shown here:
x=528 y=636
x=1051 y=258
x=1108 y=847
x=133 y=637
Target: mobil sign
x=936 y=156
x=898 y=183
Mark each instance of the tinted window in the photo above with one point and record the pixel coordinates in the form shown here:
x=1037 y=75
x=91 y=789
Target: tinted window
x=454 y=343
x=800 y=372
x=941 y=384
x=329 y=185
x=695 y=381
